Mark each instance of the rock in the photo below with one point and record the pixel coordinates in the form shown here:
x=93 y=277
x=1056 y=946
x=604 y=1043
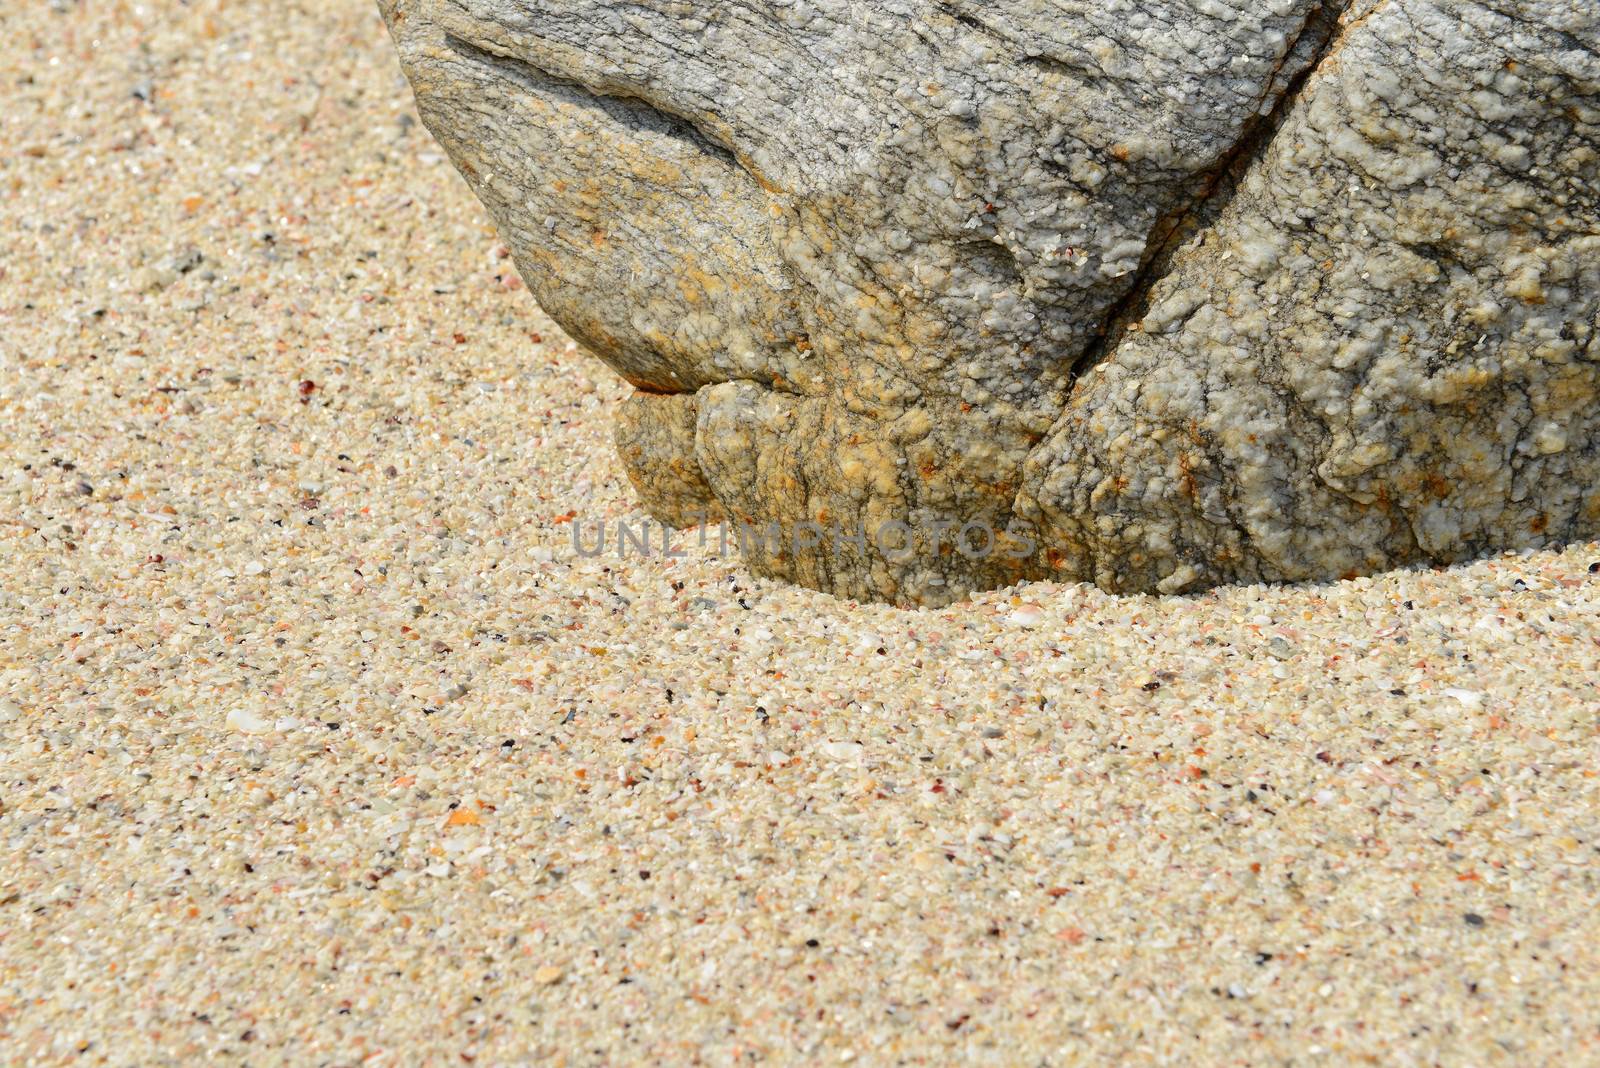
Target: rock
x=1386 y=349
x=934 y=296
x=656 y=436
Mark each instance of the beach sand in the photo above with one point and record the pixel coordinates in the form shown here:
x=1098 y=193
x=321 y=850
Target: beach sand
x=320 y=744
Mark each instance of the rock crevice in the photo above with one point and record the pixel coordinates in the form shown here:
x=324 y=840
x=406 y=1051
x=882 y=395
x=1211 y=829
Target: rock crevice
x=635 y=113
x=1317 y=40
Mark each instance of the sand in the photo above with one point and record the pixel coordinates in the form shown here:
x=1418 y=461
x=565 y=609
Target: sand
x=320 y=744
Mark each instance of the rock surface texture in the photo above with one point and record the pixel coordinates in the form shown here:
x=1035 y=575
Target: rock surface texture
x=1151 y=293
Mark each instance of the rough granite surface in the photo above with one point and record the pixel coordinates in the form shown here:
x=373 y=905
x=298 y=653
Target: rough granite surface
x=1161 y=294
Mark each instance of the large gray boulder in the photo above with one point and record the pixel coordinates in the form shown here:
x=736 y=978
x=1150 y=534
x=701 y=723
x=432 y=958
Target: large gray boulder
x=1153 y=293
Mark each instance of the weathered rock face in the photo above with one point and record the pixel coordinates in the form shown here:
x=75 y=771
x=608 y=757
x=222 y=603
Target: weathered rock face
x=1383 y=350
x=1152 y=293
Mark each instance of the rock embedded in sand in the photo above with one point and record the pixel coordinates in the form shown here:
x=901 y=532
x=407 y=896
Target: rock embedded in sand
x=945 y=295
